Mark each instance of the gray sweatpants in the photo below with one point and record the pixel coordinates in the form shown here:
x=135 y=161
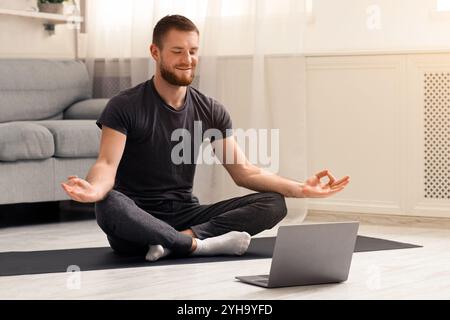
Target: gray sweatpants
x=130 y=228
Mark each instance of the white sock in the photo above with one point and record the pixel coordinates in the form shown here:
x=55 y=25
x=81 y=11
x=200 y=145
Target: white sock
x=156 y=252
x=231 y=243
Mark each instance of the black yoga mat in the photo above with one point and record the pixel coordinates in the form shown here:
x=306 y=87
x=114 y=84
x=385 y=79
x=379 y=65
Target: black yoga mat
x=34 y=262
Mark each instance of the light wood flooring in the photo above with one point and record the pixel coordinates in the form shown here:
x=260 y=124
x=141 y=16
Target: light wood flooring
x=422 y=273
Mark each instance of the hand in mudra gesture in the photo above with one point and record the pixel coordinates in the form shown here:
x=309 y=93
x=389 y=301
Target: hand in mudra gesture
x=80 y=190
x=313 y=188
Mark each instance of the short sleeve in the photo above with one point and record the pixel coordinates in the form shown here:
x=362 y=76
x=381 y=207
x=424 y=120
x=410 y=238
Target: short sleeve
x=116 y=115
x=222 y=119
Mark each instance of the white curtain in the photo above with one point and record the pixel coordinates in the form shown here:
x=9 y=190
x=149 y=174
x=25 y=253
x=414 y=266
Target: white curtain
x=250 y=60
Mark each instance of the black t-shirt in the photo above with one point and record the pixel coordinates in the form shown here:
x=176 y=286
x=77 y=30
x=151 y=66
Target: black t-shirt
x=146 y=171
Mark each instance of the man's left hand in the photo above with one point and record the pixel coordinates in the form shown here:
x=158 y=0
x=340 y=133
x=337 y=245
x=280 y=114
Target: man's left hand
x=313 y=188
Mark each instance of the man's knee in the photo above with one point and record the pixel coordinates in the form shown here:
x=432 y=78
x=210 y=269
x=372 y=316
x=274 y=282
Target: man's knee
x=113 y=200
x=106 y=208
x=278 y=209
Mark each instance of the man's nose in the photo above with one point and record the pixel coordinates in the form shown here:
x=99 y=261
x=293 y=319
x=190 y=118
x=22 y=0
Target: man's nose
x=187 y=58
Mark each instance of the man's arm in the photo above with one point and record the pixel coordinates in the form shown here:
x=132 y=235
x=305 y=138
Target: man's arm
x=100 y=178
x=249 y=176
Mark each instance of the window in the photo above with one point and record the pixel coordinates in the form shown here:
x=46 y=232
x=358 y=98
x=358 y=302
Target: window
x=443 y=5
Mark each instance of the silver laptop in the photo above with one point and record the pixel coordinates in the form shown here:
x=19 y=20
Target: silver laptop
x=309 y=254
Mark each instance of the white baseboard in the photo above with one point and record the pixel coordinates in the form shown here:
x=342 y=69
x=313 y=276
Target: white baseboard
x=380 y=219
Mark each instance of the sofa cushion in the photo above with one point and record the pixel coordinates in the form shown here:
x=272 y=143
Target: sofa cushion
x=86 y=109
x=38 y=89
x=74 y=138
x=25 y=141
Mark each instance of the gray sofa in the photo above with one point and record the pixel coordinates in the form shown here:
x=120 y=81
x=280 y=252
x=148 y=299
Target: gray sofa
x=47 y=127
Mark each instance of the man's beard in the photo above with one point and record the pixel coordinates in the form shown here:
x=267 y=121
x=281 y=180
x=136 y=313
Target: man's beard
x=175 y=80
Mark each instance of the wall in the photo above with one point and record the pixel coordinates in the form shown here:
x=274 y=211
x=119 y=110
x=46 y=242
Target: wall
x=22 y=37
x=384 y=120
x=376 y=25
x=367 y=112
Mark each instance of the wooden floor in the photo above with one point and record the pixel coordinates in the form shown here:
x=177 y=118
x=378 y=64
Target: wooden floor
x=422 y=273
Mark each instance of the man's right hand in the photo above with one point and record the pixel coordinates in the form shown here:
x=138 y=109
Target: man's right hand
x=80 y=190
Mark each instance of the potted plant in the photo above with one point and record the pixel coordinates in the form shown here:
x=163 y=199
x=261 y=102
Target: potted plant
x=51 y=6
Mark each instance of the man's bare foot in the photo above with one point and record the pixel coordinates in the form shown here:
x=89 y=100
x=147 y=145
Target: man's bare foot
x=190 y=233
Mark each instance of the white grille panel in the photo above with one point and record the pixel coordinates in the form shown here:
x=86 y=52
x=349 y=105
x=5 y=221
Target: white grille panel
x=437 y=129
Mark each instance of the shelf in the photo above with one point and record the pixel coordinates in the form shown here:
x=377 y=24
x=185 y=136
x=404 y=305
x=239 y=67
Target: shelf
x=50 y=18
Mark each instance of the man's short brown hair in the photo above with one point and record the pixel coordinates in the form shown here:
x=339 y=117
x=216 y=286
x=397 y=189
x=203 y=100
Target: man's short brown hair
x=170 y=22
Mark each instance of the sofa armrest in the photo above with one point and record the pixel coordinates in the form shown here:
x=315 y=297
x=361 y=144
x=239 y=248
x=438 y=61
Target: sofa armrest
x=89 y=109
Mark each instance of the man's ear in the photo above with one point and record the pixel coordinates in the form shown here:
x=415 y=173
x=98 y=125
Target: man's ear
x=154 y=51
